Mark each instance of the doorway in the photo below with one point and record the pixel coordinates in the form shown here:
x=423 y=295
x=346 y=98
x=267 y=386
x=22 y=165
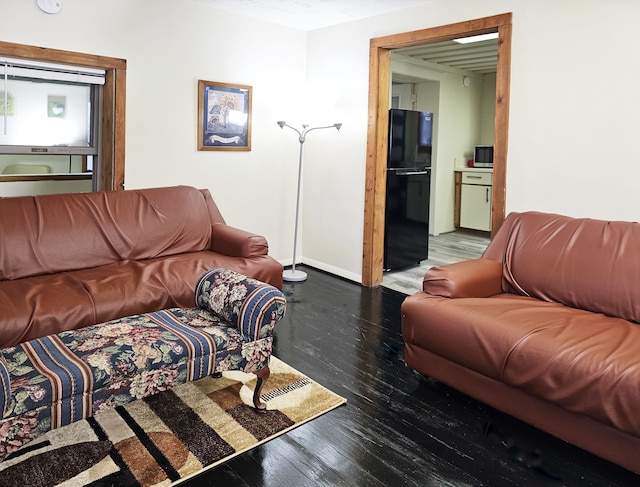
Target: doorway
x=379 y=82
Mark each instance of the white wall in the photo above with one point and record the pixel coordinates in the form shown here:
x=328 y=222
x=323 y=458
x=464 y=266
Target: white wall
x=573 y=128
x=488 y=113
x=574 y=100
x=466 y=119
x=169 y=45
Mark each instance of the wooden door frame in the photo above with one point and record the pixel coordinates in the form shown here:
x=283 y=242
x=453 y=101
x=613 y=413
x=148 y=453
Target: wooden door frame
x=112 y=128
x=379 y=82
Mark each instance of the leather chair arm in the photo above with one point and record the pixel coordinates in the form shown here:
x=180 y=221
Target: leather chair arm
x=476 y=278
x=237 y=243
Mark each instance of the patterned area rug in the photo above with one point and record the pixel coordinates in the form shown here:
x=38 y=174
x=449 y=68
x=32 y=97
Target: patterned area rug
x=166 y=438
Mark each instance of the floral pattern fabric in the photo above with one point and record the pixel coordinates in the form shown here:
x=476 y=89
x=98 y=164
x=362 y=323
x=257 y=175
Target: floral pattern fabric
x=5 y=386
x=248 y=304
x=123 y=360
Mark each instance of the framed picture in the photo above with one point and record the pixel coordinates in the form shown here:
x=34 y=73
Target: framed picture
x=10 y=102
x=224 y=116
x=56 y=106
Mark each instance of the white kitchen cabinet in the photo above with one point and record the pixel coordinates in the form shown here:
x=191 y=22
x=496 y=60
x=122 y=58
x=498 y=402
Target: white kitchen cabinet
x=475 y=201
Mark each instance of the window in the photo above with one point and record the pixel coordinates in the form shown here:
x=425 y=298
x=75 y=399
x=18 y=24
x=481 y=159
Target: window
x=96 y=152
x=49 y=118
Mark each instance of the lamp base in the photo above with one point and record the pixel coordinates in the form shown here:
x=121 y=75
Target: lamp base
x=291 y=275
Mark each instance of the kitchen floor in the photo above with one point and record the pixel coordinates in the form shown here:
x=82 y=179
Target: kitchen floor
x=445 y=248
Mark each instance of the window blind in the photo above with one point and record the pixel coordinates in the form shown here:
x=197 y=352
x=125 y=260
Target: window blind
x=26 y=68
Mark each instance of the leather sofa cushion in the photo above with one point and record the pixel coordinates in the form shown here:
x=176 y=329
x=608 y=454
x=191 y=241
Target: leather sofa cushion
x=583 y=263
x=571 y=357
x=477 y=333
x=44 y=305
x=40 y=233
x=590 y=365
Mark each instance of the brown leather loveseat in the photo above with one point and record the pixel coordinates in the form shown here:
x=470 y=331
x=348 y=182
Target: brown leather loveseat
x=72 y=260
x=543 y=327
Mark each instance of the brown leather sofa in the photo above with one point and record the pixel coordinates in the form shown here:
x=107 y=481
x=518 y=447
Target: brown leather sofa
x=72 y=260
x=543 y=327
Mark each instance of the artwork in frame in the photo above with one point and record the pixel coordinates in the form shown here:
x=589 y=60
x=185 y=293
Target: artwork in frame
x=10 y=102
x=224 y=116
x=56 y=106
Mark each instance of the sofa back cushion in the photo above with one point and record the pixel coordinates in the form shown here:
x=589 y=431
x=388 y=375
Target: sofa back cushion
x=55 y=233
x=579 y=262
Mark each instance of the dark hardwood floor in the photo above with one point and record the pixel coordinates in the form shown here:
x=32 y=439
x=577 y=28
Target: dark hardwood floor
x=397 y=428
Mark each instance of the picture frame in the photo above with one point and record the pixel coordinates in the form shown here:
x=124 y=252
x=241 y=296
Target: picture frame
x=224 y=116
x=10 y=102
x=56 y=106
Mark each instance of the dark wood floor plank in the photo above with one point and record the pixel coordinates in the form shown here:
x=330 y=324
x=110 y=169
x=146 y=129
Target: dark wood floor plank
x=397 y=428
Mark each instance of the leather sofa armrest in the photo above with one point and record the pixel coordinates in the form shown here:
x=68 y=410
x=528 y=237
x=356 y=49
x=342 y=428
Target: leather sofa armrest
x=237 y=243
x=476 y=278
x=252 y=306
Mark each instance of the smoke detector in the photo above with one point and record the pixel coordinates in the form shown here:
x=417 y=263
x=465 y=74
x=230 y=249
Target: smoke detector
x=49 y=6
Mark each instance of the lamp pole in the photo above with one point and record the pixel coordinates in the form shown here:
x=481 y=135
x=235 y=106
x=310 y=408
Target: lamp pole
x=294 y=275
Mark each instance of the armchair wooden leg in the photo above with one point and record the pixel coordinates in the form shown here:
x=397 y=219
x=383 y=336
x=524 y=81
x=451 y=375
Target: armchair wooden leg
x=262 y=375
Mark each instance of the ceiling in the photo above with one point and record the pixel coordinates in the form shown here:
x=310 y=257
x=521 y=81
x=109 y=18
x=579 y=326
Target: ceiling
x=476 y=57
x=312 y=14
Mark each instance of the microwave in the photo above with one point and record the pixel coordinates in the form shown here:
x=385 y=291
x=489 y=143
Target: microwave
x=483 y=156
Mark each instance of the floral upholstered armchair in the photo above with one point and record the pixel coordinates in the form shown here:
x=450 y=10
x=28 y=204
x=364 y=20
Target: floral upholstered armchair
x=49 y=382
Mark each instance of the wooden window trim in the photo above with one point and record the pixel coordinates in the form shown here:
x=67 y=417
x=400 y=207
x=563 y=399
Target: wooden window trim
x=112 y=144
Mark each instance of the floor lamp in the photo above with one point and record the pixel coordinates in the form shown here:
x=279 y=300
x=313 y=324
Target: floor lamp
x=294 y=275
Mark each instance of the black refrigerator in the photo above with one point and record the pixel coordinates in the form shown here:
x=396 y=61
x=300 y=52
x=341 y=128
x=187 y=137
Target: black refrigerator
x=406 y=232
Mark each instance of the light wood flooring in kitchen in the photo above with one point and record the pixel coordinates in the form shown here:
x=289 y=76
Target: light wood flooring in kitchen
x=445 y=248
